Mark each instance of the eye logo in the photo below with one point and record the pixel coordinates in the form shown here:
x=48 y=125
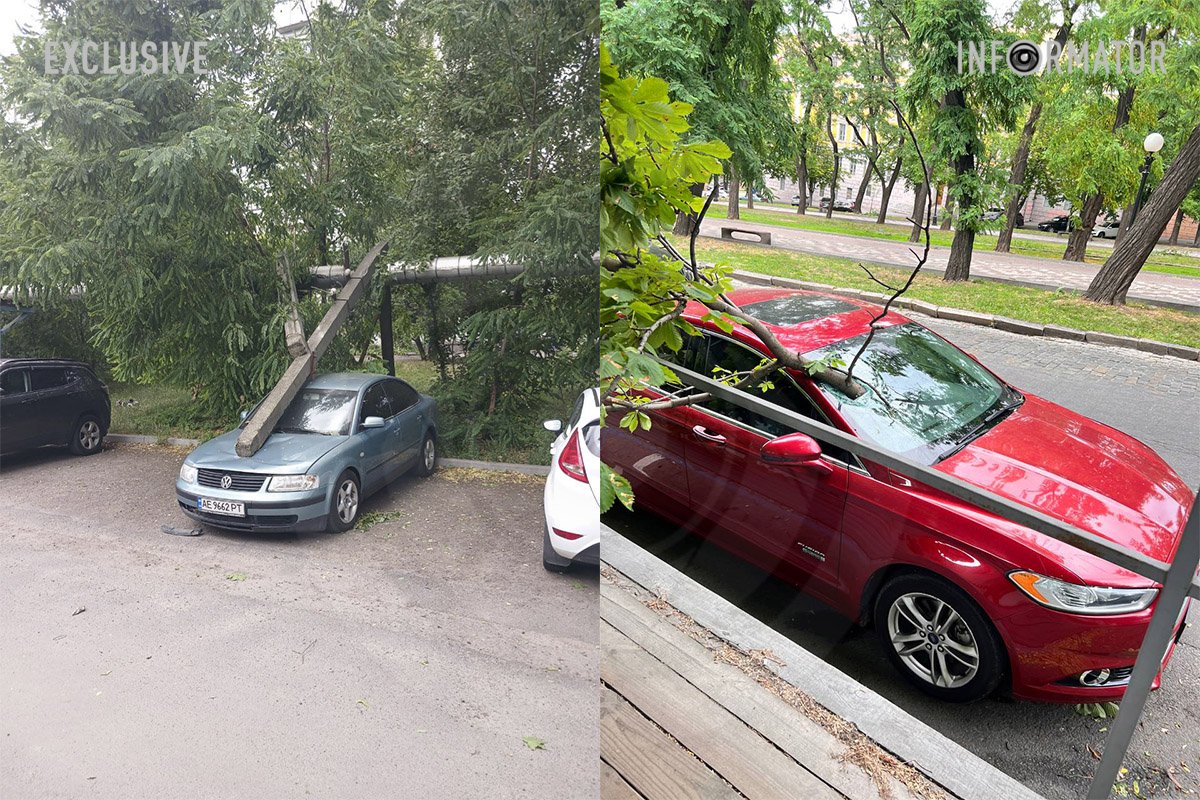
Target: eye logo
x=1023 y=57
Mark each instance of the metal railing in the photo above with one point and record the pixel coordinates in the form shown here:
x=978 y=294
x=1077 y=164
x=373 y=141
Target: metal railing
x=1178 y=578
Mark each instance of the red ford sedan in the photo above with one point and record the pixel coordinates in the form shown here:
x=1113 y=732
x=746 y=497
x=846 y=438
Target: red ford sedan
x=964 y=602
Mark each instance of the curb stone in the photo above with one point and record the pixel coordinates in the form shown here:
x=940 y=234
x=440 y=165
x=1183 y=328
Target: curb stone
x=492 y=466
x=1022 y=327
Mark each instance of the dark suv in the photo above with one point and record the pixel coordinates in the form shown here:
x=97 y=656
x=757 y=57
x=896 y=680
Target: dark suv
x=46 y=401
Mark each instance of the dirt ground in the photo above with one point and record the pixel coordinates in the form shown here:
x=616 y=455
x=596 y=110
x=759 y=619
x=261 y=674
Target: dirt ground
x=426 y=656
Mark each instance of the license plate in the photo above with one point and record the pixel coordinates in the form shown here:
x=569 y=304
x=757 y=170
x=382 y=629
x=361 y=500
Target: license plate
x=226 y=507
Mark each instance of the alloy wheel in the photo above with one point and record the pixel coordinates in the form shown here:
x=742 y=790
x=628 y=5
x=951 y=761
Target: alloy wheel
x=933 y=640
x=429 y=455
x=347 y=501
x=89 y=435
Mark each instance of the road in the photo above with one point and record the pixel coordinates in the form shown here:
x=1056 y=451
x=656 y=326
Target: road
x=406 y=660
x=1046 y=746
x=1182 y=291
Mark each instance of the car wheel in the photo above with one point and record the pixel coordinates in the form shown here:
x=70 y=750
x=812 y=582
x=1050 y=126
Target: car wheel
x=938 y=638
x=347 y=497
x=551 y=560
x=427 y=459
x=87 y=437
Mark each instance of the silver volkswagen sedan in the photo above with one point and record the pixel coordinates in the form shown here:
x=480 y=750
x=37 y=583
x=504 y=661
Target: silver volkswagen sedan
x=345 y=436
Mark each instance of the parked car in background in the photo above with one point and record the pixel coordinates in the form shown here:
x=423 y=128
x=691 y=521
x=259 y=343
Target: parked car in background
x=995 y=214
x=345 y=436
x=962 y=600
x=571 y=501
x=1059 y=224
x=838 y=205
x=1107 y=229
x=796 y=200
x=52 y=402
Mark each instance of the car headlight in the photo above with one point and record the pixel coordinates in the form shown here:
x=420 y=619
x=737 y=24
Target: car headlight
x=1078 y=599
x=187 y=473
x=293 y=483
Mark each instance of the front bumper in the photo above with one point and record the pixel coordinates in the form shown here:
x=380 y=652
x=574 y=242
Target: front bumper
x=1049 y=649
x=265 y=512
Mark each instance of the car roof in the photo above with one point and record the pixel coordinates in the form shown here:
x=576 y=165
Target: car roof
x=45 y=362
x=802 y=320
x=344 y=380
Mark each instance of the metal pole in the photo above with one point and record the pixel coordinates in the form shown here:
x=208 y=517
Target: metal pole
x=1137 y=203
x=385 y=328
x=1149 y=660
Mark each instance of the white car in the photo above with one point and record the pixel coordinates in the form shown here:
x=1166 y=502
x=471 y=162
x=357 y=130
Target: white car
x=1107 y=229
x=572 y=498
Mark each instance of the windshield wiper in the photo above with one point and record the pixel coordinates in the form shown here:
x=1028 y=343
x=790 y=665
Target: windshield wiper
x=1001 y=409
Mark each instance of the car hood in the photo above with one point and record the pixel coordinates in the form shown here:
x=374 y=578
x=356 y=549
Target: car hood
x=1082 y=472
x=286 y=452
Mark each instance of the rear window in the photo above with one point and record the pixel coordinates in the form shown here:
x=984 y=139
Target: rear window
x=591 y=437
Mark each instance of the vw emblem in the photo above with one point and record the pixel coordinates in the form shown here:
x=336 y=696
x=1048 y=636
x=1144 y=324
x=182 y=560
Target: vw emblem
x=226 y=481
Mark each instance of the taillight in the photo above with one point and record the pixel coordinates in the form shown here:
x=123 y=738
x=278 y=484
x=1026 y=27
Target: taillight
x=567 y=534
x=570 y=461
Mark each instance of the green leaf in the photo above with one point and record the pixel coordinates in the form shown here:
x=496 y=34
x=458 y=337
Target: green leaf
x=534 y=743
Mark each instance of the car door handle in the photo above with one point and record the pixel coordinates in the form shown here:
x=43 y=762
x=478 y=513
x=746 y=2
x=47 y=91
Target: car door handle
x=703 y=433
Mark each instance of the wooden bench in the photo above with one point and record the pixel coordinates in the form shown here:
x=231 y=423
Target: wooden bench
x=764 y=237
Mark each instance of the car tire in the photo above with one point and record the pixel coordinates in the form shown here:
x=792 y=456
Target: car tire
x=427 y=456
x=551 y=560
x=345 y=503
x=961 y=661
x=87 y=437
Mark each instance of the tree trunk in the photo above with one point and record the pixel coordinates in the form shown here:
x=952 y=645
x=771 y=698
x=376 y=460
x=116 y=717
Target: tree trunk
x=833 y=184
x=862 y=188
x=958 y=265
x=802 y=182
x=947 y=213
x=1113 y=280
x=749 y=197
x=735 y=187
x=919 y=202
x=1126 y=215
x=1178 y=225
x=1016 y=179
x=1077 y=242
x=685 y=222
x=886 y=197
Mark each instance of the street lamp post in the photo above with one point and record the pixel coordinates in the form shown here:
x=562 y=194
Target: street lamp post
x=1152 y=144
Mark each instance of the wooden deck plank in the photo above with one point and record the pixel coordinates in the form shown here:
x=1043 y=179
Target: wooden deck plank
x=649 y=760
x=755 y=767
x=798 y=735
x=613 y=786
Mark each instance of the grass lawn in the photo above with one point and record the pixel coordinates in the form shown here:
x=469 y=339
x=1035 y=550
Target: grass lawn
x=1045 y=247
x=1017 y=302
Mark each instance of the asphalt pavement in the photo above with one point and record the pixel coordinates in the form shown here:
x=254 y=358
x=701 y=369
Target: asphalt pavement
x=410 y=659
x=1048 y=747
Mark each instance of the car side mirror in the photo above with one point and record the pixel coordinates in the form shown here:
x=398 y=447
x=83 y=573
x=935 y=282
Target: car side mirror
x=553 y=425
x=795 y=450
x=372 y=422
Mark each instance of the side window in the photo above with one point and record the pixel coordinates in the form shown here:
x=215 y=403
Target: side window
x=14 y=381
x=785 y=394
x=48 y=378
x=400 y=395
x=576 y=413
x=375 y=403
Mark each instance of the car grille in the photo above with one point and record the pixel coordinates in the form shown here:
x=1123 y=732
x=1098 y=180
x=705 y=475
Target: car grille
x=240 y=481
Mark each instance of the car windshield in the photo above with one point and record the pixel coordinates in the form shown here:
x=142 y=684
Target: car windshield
x=925 y=399
x=325 y=411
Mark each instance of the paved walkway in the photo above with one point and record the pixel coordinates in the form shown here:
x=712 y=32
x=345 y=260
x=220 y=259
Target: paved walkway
x=1178 y=291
